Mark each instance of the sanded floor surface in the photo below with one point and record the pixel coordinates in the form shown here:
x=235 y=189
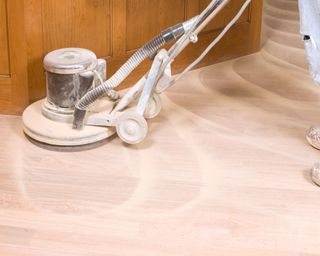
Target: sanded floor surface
x=224 y=171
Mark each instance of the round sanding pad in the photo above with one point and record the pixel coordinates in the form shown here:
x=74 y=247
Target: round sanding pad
x=44 y=130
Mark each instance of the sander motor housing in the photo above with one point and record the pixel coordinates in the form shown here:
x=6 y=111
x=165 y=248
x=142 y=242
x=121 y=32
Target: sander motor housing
x=70 y=74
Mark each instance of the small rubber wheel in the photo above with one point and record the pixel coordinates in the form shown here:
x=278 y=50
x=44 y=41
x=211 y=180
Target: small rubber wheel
x=154 y=107
x=131 y=127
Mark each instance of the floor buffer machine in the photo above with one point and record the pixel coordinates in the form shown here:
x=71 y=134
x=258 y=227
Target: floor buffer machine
x=82 y=105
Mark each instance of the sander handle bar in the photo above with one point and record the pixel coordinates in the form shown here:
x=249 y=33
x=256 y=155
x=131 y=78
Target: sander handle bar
x=192 y=27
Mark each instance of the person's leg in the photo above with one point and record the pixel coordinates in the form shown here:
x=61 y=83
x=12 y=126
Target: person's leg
x=310 y=30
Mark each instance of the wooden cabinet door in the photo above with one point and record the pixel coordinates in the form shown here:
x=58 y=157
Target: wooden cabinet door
x=13 y=57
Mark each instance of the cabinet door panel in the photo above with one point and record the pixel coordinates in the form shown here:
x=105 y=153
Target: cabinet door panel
x=13 y=57
x=77 y=23
x=4 y=54
x=146 y=18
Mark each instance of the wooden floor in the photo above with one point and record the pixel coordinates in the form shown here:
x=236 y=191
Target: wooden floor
x=224 y=170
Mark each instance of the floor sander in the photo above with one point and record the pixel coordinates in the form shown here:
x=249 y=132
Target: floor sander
x=83 y=107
